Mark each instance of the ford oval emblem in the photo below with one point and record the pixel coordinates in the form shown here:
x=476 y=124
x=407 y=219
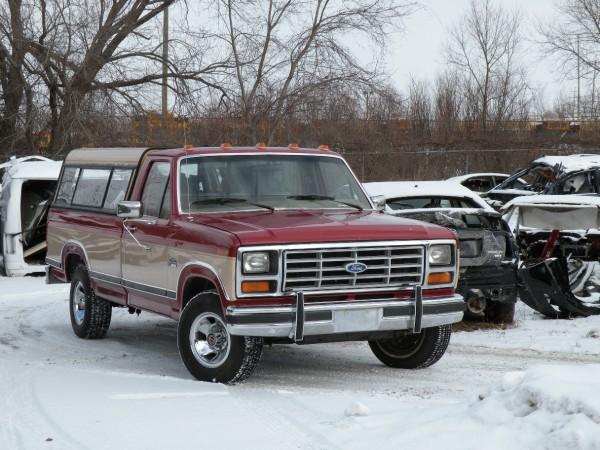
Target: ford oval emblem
x=356 y=267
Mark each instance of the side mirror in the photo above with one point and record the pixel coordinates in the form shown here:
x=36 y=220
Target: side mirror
x=379 y=202
x=129 y=210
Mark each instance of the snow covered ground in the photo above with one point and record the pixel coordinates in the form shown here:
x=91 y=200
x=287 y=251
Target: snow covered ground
x=535 y=385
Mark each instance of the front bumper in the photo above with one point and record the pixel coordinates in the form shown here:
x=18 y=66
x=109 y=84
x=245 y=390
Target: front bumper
x=321 y=319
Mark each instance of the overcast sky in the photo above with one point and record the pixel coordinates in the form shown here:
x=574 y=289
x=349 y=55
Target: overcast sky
x=419 y=51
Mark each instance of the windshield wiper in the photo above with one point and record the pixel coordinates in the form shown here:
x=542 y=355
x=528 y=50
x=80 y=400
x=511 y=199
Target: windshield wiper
x=323 y=197
x=225 y=200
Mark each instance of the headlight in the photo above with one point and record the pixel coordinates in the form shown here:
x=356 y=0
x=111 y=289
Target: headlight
x=255 y=262
x=440 y=255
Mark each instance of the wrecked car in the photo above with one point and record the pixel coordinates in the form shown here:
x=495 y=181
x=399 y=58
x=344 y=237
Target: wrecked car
x=480 y=182
x=558 y=237
x=28 y=185
x=550 y=175
x=488 y=256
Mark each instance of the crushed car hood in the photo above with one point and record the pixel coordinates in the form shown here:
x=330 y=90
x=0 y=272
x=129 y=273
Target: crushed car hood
x=307 y=226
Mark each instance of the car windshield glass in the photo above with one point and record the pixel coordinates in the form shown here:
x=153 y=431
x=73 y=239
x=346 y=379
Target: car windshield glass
x=533 y=179
x=249 y=182
x=430 y=202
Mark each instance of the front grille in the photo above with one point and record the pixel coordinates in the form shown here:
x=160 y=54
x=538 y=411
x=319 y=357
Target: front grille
x=326 y=268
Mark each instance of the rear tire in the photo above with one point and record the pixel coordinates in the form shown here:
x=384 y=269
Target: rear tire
x=207 y=349
x=413 y=351
x=90 y=315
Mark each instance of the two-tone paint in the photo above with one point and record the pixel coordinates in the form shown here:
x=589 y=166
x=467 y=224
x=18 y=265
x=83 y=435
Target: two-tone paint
x=190 y=253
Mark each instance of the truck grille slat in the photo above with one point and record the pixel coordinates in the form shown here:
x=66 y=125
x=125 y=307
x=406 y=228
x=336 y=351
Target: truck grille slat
x=326 y=268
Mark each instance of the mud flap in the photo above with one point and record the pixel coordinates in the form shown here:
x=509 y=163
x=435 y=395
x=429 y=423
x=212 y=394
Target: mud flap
x=545 y=288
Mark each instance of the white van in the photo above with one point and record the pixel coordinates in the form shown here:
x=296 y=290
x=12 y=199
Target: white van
x=28 y=185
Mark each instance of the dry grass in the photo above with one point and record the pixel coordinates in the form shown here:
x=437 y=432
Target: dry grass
x=475 y=326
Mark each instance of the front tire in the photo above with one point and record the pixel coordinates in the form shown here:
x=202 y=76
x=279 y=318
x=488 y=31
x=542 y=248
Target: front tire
x=90 y=315
x=207 y=349
x=413 y=351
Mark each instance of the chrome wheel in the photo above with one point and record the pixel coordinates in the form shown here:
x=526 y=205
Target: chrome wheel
x=209 y=340
x=79 y=303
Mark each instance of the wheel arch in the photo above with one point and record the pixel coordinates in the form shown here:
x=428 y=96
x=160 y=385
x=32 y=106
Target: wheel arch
x=73 y=253
x=197 y=278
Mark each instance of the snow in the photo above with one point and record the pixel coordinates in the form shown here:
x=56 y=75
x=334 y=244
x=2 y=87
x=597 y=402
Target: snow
x=399 y=189
x=35 y=170
x=570 y=163
x=533 y=385
x=553 y=200
x=468 y=176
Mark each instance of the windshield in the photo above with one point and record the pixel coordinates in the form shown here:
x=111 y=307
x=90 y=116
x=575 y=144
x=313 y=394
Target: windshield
x=532 y=179
x=249 y=182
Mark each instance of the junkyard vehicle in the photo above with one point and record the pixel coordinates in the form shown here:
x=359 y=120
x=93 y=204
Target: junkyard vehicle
x=550 y=175
x=559 y=242
x=488 y=257
x=245 y=246
x=28 y=185
x=480 y=182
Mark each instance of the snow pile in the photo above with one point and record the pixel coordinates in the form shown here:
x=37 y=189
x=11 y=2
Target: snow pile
x=357 y=409
x=546 y=407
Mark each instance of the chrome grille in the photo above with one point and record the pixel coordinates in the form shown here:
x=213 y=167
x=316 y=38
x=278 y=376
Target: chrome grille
x=326 y=268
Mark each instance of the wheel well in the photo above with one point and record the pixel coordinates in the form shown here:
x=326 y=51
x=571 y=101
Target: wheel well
x=72 y=261
x=196 y=286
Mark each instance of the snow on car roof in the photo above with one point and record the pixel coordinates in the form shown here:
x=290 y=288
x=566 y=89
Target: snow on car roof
x=570 y=163
x=37 y=170
x=552 y=200
x=395 y=189
x=467 y=176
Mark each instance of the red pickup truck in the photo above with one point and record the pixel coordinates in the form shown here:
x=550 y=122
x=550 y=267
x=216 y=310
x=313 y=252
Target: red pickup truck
x=246 y=246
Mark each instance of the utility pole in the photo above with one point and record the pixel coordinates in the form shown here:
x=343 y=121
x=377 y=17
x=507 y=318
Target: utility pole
x=165 y=68
x=578 y=78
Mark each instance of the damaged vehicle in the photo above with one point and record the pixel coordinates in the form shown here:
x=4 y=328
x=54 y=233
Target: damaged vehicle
x=488 y=256
x=550 y=175
x=558 y=237
x=480 y=182
x=28 y=185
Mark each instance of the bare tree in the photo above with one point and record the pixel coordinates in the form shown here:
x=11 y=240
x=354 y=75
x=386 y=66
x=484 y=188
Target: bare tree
x=286 y=50
x=80 y=53
x=483 y=47
x=575 y=41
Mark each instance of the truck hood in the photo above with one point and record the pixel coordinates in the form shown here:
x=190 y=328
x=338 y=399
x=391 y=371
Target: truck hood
x=310 y=226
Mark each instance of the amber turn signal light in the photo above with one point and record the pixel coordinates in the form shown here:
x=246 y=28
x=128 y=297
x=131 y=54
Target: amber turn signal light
x=256 y=287
x=440 y=278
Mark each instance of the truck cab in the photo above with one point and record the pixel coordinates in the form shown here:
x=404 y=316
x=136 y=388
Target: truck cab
x=245 y=246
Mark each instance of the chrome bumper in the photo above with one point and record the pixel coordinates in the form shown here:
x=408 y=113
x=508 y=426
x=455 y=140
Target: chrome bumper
x=314 y=319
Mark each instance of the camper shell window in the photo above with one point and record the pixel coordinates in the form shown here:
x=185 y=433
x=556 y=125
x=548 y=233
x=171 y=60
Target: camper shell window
x=93 y=188
x=67 y=186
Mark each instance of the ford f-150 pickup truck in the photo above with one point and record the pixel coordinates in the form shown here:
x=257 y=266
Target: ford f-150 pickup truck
x=246 y=246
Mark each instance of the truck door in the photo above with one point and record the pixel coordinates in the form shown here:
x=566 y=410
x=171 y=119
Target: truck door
x=145 y=262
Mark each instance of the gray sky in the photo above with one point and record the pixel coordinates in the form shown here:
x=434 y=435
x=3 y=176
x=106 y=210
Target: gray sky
x=419 y=51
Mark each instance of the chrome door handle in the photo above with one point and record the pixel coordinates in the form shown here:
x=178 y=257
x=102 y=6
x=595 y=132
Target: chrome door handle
x=131 y=228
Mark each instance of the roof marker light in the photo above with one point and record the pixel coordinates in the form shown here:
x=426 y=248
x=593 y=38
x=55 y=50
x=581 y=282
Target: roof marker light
x=225 y=145
x=293 y=146
x=261 y=145
x=188 y=147
x=324 y=147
